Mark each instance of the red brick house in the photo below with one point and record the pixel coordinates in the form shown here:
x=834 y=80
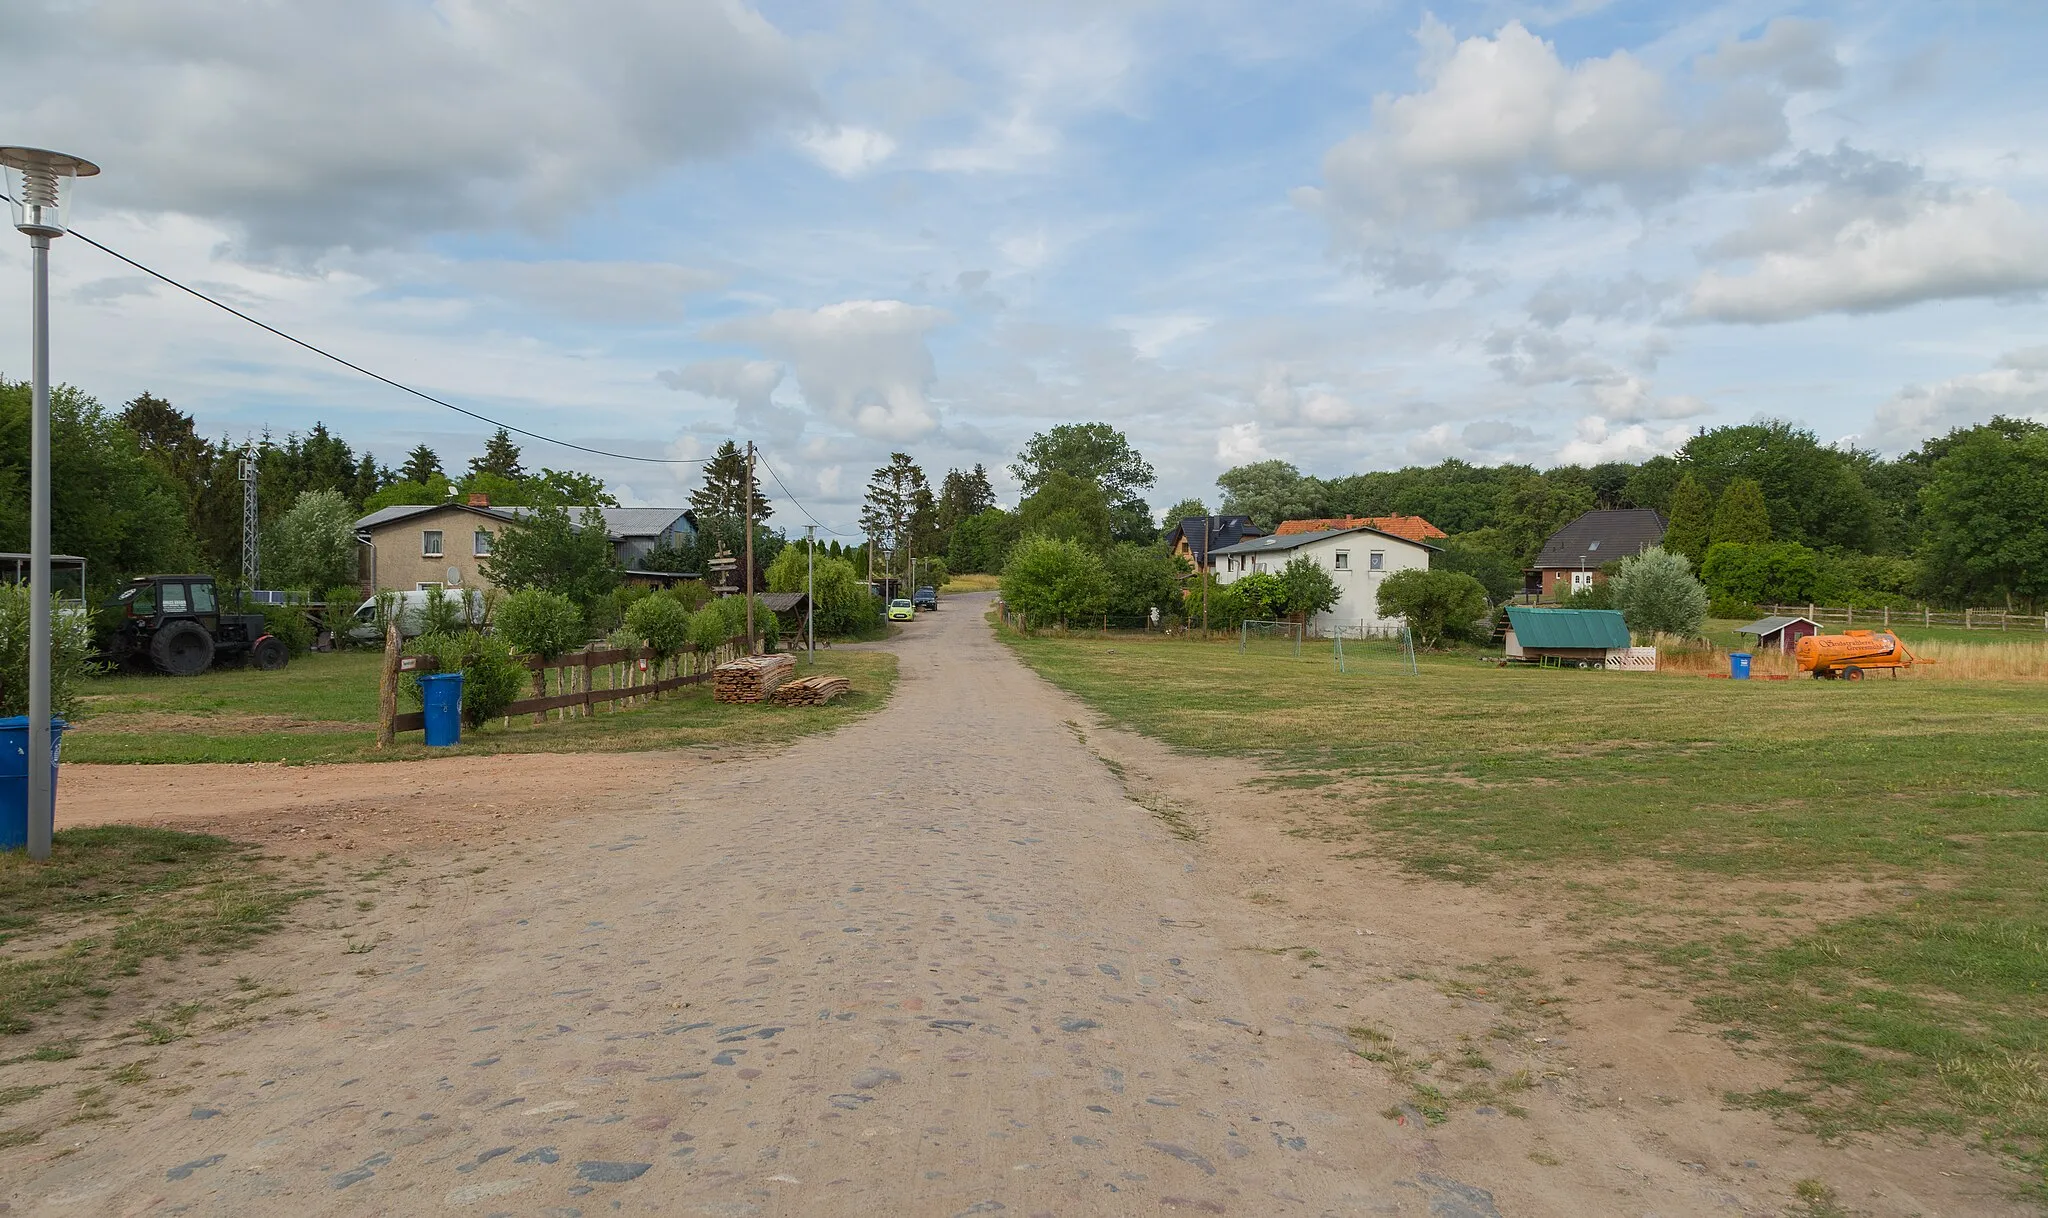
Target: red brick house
x=1571 y=560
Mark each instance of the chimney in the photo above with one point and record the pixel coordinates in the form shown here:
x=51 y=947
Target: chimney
x=479 y=499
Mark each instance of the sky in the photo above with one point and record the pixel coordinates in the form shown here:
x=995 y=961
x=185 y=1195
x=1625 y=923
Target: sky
x=1352 y=236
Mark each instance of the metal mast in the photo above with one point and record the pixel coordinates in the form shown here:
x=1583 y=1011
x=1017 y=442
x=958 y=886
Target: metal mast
x=252 y=564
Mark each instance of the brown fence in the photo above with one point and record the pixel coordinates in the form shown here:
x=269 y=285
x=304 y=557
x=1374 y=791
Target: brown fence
x=630 y=673
x=1884 y=619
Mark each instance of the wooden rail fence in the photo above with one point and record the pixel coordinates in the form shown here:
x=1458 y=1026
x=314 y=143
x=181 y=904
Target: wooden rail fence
x=632 y=673
x=1885 y=619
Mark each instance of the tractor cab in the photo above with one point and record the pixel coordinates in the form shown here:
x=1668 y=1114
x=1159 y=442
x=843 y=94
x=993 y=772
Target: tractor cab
x=175 y=623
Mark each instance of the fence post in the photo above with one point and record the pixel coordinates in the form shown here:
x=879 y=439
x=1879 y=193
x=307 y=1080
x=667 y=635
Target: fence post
x=387 y=687
x=1926 y=616
x=589 y=703
x=540 y=686
x=1966 y=620
x=1852 y=615
x=1887 y=617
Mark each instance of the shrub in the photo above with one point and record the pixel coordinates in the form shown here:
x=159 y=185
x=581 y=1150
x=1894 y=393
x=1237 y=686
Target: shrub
x=492 y=675
x=290 y=626
x=441 y=614
x=661 y=622
x=1435 y=604
x=841 y=603
x=1306 y=589
x=726 y=618
x=1052 y=580
x=1226 y=608
x=545 y=624
x=1142 y=578
x=1261 y=594
x=1782 y=572
x=1657 y=594
x=70 y=654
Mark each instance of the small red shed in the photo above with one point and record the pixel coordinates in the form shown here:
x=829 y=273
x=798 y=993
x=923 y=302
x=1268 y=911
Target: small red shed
x=1780 y=633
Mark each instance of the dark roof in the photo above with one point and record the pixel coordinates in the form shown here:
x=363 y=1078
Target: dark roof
x=1223 y=531
x=781 y=602
x=1568 y=628
x=1602 y=537
x=400 y=511
x=1772 y=625
x=1282 y=542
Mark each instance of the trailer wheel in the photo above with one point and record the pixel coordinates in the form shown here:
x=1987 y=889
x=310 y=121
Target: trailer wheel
x=1852 y=673
x=268 y=654
x=182 y=649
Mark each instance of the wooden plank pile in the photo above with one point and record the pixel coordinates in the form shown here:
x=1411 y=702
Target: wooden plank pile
x=810 y=691
x=751 y=678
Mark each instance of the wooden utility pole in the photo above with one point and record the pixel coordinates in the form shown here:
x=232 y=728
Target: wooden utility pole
x=387 y=683
x=748 y=585
x=811 y=592
x=1205 y=576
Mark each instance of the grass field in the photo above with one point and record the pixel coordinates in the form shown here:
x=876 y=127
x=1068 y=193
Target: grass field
x=1925 y=1008
x=323 y=708
x=971 y=583
x=1721 y=632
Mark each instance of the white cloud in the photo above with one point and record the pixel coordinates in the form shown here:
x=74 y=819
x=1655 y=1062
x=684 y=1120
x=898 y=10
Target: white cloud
x=1822 y=254
x=2016 y=388
x=1797 y=53
x=1240 y=444
x=1597 y=439
x=364 y=124
x=848 y=151
x=1151 y=336
x=861 y=363
x=1504 y=127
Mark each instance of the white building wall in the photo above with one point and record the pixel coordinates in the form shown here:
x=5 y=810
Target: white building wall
x=1358 y=580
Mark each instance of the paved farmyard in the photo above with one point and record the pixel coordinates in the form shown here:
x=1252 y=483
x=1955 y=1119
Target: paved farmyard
x=934 y=964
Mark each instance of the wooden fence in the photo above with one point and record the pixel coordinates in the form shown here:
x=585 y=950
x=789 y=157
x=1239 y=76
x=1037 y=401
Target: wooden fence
x=631 y=673
x=1885 y=619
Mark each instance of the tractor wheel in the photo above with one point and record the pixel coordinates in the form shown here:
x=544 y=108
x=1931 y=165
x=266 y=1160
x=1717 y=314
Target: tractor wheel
x=182 y=649
x=1852 y=673
x=268 y=654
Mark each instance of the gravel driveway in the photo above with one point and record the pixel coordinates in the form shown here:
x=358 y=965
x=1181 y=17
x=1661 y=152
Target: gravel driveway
x=935 y=963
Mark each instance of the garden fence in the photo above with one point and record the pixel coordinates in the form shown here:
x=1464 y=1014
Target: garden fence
x=1885 y=619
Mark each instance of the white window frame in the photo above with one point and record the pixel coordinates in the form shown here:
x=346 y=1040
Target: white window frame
x=425 y=587
x=1376 y=560
x=1582 y=581
x=433 y=543
x=481 y=543
x=1343 y=560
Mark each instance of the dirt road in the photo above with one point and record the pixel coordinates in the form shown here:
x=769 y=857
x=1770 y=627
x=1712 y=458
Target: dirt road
x=935 y=964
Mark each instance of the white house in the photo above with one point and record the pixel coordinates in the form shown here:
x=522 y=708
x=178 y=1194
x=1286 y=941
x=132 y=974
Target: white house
x=1357 y=558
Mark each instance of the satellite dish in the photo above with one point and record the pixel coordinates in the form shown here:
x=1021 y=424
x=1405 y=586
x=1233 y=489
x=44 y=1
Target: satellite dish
x=455 y=575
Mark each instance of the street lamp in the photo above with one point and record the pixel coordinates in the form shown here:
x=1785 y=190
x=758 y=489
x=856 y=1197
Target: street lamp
x=35 y=179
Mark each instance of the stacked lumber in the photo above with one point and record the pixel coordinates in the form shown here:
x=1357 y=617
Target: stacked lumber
x=751 y=678
x=810 y=691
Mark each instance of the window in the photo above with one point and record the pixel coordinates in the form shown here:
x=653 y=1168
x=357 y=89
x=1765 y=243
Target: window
x=1376 y=561
x=143 y=602
x=1343 y=560
x=426 y=587
x=1581 y=580
x=483 y=543
x=430 y=543
x=174 y=598
x=1592 y=545
x=202 y=599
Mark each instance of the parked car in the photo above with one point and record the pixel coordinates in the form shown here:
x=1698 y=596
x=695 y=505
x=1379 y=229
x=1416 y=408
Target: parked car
x=926 y=598
x=411 y=609
x=901 y=610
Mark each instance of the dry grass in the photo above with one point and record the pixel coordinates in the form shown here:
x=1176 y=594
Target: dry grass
x=1950 y=661
x=972 y=583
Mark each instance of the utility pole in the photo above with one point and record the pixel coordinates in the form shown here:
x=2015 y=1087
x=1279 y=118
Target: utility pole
x=1205 y=577
x=749 y=584
x=811 y=592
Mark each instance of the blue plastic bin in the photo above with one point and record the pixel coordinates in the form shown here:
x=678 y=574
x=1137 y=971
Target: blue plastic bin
x=14 y=777
x=442 y=693
x=1738 y=665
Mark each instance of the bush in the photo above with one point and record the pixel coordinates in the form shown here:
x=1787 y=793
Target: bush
x=1226 y=607
x=1479 y=555
x=1783 y=572
x=442 y=613
x=1306 y=588
x=1052 y=580
x=1142 y=578
x=1435 y=604
x=290 y=626
x=545 y=624
x=726 y=618
x=492 y=676
x=1657 y=594
x=1261 y=594
x=70 y=655
x=660 y=622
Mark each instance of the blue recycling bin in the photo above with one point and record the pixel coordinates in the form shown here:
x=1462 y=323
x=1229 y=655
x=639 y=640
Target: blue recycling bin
x=14 y=777
x=1738 y=666
x=442 y=694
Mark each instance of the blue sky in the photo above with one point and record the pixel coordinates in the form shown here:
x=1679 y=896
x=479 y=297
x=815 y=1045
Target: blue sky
x=1353 y=236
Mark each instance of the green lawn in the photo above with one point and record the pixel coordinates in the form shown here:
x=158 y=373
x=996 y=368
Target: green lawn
x=1927 y=1011
x=323 y=708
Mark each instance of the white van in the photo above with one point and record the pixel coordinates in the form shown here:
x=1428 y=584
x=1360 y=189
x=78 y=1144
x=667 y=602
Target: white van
x=411 y=609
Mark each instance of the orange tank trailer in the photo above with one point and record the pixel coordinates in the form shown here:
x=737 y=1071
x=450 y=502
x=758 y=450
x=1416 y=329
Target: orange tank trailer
x=1852 y=653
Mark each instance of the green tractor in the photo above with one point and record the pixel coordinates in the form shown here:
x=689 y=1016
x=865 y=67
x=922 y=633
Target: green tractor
x=174 y=624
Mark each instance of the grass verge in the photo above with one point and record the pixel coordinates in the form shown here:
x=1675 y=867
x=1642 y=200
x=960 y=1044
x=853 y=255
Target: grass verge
x=323 y=708
x=114 y=897
x=1922 y=1008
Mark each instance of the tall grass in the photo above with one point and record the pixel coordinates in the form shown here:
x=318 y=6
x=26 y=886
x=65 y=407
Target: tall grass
x=1950 y=661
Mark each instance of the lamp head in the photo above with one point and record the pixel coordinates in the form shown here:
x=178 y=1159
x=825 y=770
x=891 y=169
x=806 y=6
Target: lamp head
x=34 y=182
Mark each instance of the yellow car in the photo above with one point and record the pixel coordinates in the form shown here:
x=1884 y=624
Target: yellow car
x=901 y=610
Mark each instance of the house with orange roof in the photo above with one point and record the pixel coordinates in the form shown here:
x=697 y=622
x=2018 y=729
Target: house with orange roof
x=1414 y=528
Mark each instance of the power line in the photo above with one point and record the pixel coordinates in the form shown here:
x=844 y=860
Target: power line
x=799 y=504
x=376 y=376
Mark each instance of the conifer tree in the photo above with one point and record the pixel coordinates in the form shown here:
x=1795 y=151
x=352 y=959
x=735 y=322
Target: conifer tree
x=1741 y=516
x=421 y=464
x=1691 y=522
x=724 y=492
x=500 y=457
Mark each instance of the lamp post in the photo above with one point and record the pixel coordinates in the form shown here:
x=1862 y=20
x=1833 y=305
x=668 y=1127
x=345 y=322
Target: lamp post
x=34 y=179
